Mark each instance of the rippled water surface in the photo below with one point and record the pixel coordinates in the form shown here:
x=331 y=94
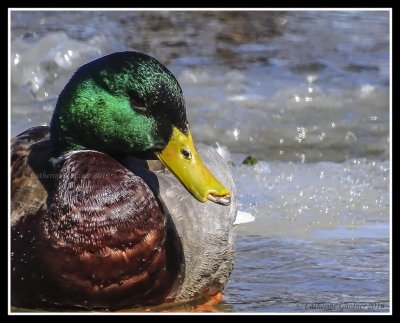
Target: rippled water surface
x=306 y=93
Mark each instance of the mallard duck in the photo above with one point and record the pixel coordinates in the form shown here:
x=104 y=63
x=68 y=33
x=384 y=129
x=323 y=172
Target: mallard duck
x=94 y=224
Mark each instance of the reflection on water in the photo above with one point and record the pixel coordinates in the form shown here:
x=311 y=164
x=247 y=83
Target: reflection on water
x=290 y=275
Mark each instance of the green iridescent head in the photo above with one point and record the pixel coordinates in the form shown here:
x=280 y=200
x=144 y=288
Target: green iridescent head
x=123 y=103
x=130 y=104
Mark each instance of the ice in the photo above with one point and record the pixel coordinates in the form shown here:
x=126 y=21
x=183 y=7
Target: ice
x=294 y=199
x=45 y=66
x=243 y=217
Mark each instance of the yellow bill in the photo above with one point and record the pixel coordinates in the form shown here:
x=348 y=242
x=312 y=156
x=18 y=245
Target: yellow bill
x=181 y=157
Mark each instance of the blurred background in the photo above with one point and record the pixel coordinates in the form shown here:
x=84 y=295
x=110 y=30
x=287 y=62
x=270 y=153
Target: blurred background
x=304 y=92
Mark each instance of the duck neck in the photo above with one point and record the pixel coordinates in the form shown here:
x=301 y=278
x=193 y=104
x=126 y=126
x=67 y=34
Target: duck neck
x=63 y=141
x=64 y=133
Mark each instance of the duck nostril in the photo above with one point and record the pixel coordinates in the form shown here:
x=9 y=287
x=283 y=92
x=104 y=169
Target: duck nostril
x=186 y=153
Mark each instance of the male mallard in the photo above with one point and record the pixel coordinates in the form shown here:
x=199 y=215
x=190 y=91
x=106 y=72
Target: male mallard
x=92 y=227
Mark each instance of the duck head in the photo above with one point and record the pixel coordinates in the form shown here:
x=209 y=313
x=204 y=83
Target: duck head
x=128 y=103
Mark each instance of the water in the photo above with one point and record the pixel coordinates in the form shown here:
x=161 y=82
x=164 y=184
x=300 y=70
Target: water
x=307 y=93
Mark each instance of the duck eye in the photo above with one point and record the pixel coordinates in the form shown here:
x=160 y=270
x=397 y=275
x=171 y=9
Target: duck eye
x=186 y=153
x=138 y=103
